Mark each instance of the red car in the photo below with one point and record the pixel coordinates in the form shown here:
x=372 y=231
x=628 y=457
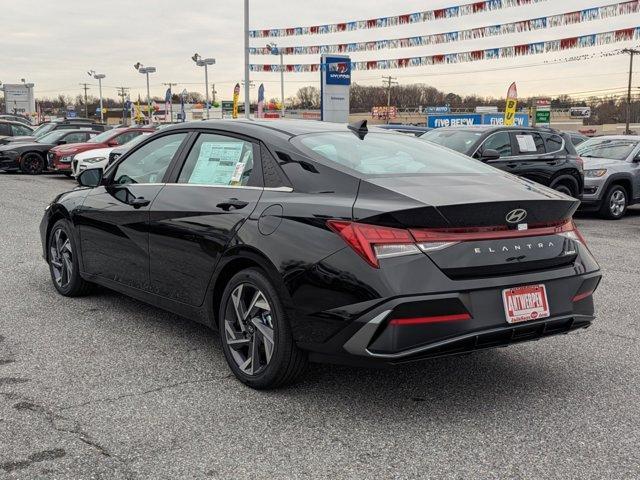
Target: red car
x=60 y=157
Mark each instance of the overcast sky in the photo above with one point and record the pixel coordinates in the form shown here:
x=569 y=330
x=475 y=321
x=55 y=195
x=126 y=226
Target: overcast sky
x=53 y=44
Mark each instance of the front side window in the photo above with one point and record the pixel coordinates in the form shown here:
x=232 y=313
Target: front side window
x=500 y=142
x=5 y=130
x=149 y=163
x=77 y=137
x=19 y=130
x=385 y=154
x=218 y=160
x=127 y=137
x=104 y=136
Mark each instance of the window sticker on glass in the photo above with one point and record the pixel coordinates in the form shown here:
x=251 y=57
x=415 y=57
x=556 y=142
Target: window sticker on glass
x=526 y=143
x=218 y=163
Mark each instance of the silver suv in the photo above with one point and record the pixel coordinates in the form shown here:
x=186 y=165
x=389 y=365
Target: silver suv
x=611 y=174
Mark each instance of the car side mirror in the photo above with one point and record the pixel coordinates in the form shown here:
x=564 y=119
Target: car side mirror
x=113 y=143
x=91 y=177
x=489 y=154
x=61 y=142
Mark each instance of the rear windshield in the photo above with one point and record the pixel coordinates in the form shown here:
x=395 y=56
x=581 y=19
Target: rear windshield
x=386 y=154
x=458 y=140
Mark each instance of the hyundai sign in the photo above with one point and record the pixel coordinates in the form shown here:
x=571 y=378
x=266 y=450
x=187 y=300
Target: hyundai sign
x=334 y=88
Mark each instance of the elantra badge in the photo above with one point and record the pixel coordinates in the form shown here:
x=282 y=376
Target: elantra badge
x=516 y=216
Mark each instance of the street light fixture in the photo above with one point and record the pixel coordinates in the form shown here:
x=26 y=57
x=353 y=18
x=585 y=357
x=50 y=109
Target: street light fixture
x=99 y=77
x=273 y=48
x=204 y=62
x=146 y=71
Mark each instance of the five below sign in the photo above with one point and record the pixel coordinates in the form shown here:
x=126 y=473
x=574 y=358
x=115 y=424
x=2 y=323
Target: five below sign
x=454 y=120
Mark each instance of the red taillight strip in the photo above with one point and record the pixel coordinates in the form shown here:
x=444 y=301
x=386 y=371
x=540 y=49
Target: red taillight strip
x=425 y=320
x=488 y=233
x=582 y=296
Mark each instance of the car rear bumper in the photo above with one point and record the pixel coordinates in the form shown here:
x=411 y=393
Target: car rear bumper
x=374 y=340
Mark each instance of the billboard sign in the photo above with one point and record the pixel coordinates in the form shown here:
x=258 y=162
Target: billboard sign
x=438 y=121
x=520 y=120
x=18 y=98
x=334 y=88
x=580 y=112
x=437 y=110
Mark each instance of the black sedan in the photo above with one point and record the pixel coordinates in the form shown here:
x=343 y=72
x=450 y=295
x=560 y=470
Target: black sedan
x=29 y=156
x=543 y=155
x=306 y=241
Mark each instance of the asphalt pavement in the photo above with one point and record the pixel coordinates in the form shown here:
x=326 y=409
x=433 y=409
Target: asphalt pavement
x=108 y=387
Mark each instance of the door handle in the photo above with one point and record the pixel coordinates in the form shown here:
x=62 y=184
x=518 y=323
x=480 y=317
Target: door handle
x=512 y=165
x=140 y=202
x=232 y=203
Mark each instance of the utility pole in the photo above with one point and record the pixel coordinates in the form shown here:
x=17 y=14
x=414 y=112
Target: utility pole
x=389 y=81
x=86 y=87
x=247 y=102
x=170 y=85
x=213 y=93
x=631 y=53
x=122 y=93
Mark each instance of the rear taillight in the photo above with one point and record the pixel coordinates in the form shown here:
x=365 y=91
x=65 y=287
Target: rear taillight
x=373 y=242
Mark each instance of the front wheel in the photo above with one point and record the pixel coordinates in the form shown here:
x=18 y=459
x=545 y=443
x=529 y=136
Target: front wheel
x=32 y=164
x=63 y=261
x=255 y=333
x=564 y=188
x=614 y=203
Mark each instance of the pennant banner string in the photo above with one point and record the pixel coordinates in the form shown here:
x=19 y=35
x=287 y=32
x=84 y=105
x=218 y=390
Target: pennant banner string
x=584 y=41
x=553 y=21
x=407 y=18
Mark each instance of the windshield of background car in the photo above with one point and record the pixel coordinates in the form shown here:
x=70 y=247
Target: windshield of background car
x=52 y=137
x=458 y=140
x=43 y=129
x=385 y=154
x=611 y=148
x=104 y=136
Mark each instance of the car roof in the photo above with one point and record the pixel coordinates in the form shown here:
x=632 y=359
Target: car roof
x=285 y=128
x=13 y=122
x=484 y=128
x=634 y=138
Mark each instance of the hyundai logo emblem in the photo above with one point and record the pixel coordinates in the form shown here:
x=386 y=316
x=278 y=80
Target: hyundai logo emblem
x=516 y=216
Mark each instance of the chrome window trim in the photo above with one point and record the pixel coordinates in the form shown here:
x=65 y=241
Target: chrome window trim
x=523 y=154
x=247 y=187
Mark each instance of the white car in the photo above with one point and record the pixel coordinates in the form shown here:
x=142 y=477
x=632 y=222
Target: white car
x=91 y=159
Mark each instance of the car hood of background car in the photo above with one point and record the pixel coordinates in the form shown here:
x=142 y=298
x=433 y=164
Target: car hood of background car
x=74 y=148
x=96 y=152
x=594 y=163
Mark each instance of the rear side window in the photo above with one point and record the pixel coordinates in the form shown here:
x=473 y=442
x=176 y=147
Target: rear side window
x=218 y=160
x=553 y=143
x=385 y=154
x=4 y=129
x=19 y=130
x=529 y=143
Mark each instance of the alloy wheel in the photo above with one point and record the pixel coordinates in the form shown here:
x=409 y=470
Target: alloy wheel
x=618 y=203
x=248 y=329
x=61 y=258
x=32 y=164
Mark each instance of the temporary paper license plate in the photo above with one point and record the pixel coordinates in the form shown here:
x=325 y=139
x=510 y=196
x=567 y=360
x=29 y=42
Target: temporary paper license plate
x=523 y=304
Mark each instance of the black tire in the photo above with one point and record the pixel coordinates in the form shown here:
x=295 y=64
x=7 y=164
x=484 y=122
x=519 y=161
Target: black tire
x=32 y=164
x=63 y=262
x=614 y=203
x=286 y=362
x=565 y=188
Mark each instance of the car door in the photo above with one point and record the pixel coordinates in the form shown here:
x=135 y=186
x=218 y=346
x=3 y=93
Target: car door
x=195 y=216
x=529 y=156
x=114 y=218
x=500 y=142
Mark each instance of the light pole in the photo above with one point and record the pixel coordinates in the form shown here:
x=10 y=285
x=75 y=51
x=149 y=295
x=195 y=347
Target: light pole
x=146 y=71
x=204 y=62
x=247 y=103
x=273 y=48
x=99 y=77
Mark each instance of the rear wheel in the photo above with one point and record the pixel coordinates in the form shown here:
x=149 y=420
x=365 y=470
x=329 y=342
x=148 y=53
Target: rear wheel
x=32 y=164
x=614 y=203
x=255 y=333
x=63 y=261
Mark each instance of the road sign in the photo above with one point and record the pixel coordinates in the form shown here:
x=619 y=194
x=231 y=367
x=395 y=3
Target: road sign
x=543 y=113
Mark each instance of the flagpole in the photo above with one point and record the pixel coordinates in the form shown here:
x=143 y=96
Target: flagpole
x=247 y=105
